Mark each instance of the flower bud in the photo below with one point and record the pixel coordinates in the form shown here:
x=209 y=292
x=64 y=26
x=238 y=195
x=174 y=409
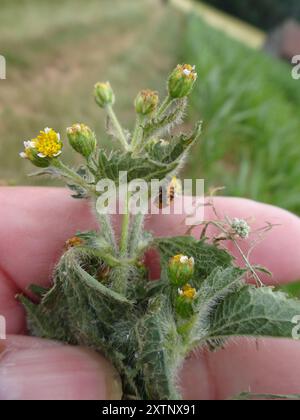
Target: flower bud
x=32 y=155
x=146 y=102
x=180 y=270
x=104 y=94
x=181 y=81
x=184 y=301
x=82 y=139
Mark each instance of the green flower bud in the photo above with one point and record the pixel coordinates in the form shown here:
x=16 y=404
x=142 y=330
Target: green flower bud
x=184 y=301
x=32 y=155
x=180 y=270
x=146 y=102
x=82 y=139
x=104 y=94
x=181 y=81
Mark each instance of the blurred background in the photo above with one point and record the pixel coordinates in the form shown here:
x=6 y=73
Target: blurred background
x=57 y=49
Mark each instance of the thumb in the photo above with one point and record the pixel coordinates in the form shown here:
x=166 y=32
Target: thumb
x=36 y=369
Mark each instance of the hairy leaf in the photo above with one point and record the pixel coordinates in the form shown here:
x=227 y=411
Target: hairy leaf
x=254 y=312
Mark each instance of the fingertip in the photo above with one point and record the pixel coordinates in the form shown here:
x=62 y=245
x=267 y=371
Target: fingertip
x=35 y=369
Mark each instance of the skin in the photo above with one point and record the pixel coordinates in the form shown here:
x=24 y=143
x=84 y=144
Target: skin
x=34 y=225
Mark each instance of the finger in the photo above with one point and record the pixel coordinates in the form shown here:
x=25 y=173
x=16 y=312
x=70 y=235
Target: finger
x=35 y=369
x=36 y=222
x=278 y=251
x=265 y=367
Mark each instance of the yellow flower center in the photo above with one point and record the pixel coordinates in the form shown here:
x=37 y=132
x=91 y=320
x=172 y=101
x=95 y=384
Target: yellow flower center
x=188 y=71
x=188 y=291
x=48 y=143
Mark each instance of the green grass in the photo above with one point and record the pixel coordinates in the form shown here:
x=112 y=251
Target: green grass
x=250 y=106
x=59 y=49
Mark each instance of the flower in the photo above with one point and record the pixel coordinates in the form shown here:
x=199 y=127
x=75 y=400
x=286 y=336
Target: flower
x=146 y=102
x=104 y=94
x=241 y=228
x=184 y=301
x=187 y=292
x=182 y=80
x=45 y=146
x=82 y=139
x=181 y=269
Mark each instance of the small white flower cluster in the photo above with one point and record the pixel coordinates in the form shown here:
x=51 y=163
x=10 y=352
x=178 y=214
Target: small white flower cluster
x=241 y=228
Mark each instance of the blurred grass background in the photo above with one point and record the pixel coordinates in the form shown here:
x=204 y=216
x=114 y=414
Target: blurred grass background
x=56 y=50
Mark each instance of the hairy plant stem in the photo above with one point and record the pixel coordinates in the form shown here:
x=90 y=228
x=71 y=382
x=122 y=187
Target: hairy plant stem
x=164 y=106
x=136 y=232
x=137 y=134
x=69 y=173
x=118 y=127
x=125 y=228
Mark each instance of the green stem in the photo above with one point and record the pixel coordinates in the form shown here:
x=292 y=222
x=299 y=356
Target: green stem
x=107 y=230
x=69 y=173
x=164 y=106
x=137 y=134
x=136 y=231
x=117 y=125
x=125 y=228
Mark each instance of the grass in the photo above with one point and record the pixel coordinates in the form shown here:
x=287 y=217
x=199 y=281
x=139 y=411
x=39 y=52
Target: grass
x=56 y=53
x=250 y=105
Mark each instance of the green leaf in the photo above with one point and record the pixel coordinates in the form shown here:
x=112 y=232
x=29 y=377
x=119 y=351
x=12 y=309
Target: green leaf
x=110 y=165
x=158 y=355
x=213 y=290
x=254 y=312
x=207 y=257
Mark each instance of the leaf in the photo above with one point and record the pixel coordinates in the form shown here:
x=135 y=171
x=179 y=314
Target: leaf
x=213 y=290
x=109 y=166
x=176 y=148
x=207 y=257
x=158 y=351
x=54 y=172
x=254 y=312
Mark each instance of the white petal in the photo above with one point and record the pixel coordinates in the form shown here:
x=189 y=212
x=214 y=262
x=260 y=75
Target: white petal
x=186 y=72
x=23 y=155
x=57 y=154
x=47 y=129
x=41 y=155
x=58 y=136
x=184 y=259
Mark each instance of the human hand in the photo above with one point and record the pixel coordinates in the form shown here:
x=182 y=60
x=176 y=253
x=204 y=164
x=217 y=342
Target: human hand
x=34 y=225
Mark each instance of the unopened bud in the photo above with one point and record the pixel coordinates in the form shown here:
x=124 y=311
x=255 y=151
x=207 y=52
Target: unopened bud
x=82 y=139
x=146 y=102
x=104 y=94
x=180 y=270
x=184 y=301
x=181 y=81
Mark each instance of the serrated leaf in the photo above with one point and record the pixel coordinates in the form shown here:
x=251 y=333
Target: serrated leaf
x=207 y=257
x=213 y=290
x=109 y=166
x=254 y=312
x=176 y=148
